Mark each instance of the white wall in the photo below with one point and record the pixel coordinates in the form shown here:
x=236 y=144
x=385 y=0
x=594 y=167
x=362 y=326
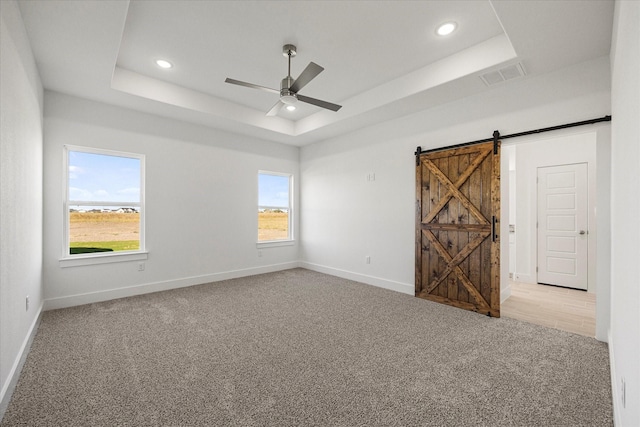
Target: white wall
x=201 y=201
x=20 y=192
x=346 y=218
x=624 y=342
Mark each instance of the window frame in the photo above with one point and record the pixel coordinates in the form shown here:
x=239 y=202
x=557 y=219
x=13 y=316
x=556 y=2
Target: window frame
x=69 y=260
x=290 y=240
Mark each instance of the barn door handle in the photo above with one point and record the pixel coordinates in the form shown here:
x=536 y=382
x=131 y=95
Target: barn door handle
x=494 y=235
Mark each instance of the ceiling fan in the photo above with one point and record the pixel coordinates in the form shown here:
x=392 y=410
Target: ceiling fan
x=289 y=87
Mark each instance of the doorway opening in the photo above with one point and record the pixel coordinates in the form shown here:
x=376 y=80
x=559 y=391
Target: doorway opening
x=552 y=231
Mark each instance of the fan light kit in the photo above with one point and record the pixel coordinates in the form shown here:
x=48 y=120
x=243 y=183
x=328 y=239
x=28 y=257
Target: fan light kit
x=289 y=87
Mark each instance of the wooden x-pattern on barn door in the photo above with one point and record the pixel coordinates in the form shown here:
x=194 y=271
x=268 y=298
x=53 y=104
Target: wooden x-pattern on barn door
x=457 y=259
x=454 y=189
x=453 y=264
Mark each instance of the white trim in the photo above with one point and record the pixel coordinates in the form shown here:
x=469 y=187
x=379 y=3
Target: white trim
x=14 y=373
x=110 y=294
x=404 y=288
x=524 y=278
x=617 y=418
x=505 y=293
x=67 y=203
x=275 y=243
x=92 y=150
x=102 y=258
x=290 y=210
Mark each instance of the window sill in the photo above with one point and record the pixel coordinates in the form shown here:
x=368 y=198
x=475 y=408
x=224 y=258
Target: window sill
x=275 y=243
x=81 y=260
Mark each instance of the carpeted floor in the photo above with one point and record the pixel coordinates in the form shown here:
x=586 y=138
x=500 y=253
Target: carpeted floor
x=300 y=348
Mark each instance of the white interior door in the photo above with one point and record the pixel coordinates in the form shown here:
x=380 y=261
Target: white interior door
x=562 y=225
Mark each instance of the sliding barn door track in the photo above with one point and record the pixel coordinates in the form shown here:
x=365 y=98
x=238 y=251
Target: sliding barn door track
x=496 y=136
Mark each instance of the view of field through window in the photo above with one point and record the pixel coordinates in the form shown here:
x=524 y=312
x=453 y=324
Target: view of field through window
x=273 y=224
x=103 y=230
x=274 y=220
x=104 y=202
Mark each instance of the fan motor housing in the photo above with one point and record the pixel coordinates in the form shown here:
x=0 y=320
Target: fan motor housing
x=286 y=95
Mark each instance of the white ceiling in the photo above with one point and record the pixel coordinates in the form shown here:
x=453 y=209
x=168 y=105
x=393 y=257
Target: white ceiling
x=382 y=59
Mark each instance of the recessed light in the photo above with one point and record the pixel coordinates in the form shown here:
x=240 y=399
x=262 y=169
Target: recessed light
x=162 y=63
x=446 y=28
x=291 y=107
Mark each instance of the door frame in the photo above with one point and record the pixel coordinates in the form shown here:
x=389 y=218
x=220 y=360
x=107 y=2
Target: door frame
x=534 y=152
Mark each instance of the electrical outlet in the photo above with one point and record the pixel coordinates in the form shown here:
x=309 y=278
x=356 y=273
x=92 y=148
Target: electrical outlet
x=367 y=259
x=141 y=266
x=27 y=303
x=623 y=392
x=259 y=254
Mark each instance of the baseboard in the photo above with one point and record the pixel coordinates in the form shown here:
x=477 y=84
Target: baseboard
x=505 y=293
x=614 y=384
x=377 y=281
x=405 y=288
x=524 y=278
x=14 y=374
x=110 y=294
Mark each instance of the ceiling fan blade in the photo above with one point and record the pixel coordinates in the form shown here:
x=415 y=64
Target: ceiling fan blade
x=276 y=108
x=306 y=76
x=319 y=103
x=251 y=85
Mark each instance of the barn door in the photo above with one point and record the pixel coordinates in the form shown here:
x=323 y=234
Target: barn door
x=457 y=213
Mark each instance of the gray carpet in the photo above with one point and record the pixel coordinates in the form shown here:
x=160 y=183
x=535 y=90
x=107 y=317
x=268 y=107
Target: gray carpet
x=300 y=348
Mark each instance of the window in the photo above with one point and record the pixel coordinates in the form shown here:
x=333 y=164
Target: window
x=274 y=207
x=104 y=203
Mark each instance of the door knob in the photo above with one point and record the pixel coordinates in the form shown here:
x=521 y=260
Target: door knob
x=583 y=232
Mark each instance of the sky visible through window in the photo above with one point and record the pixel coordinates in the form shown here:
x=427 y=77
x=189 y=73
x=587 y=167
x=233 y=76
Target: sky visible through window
x=104 y=178
x=274 y=190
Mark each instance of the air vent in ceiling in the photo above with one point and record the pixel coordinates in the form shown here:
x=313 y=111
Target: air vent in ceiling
x=508 y=73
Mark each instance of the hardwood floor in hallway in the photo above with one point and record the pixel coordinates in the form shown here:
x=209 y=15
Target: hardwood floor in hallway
x=561 y=308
